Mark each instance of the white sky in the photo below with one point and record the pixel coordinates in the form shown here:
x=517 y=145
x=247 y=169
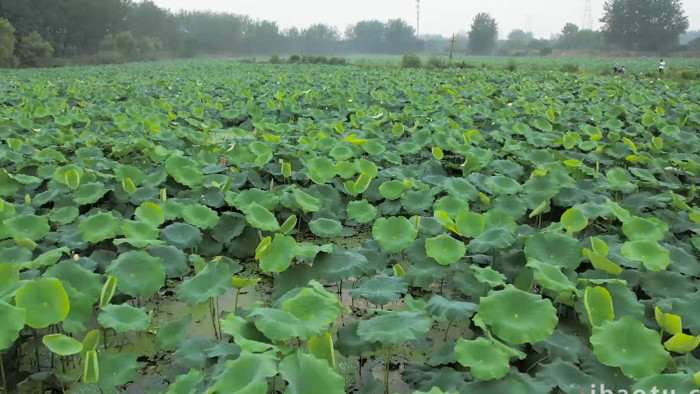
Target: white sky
x=542 y=17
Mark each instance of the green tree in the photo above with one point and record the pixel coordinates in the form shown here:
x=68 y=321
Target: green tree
x=366 y=36
x=320 y=39
x=399 y=37
x=483 y=34
x=33 y=50
x=7 y=44
x=146 y=19
x=647 y=25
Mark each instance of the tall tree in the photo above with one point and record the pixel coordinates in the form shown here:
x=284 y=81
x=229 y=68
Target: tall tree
x=146 y=19
x=7 y=44
x=320 y=39
x=262 y=37
x=399 y=37
x=483 y=34
x=366 y=36
x=644 y=24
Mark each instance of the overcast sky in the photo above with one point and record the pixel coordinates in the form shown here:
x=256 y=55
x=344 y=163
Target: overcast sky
x=542 y=17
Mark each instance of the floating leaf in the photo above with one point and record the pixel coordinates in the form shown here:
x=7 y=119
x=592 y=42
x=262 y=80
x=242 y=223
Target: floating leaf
x=138 y=273
x=27 y=226
x=394 y=327
x=381 y=289
x=260 y=218
x=649 y=253
x=518 y=317
x=573 y=220
x=150 y=213
x=486 y=361
x=470 y=224
x=99 y=227
x=45 y=302
x=627 y=344
x=445 y=249
x=123 y=318
x=394 y=234
x=361 y=211
x=325 y=228
x=554 y=249
x=212 y=281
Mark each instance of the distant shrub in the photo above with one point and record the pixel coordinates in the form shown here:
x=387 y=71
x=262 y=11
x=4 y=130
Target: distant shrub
x=338 y=61
x=546 y=51
x=690 y=75
x=34 y=51
x=7 y=44
x=410 y=60
x=188 y=48
x=294 y=59
x=570 y=68
x=275 y=58
x=149 y=47
x=108 y=57
x=512 y=65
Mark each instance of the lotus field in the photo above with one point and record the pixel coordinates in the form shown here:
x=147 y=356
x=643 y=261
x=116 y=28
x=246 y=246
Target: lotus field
x=214 y=227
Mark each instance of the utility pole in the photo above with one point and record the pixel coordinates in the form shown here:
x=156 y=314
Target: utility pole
x=452 y=47
x=417 y=18
x=587 y=15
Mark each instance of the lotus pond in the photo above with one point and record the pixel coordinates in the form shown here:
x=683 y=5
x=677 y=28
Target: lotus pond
x=208 y=226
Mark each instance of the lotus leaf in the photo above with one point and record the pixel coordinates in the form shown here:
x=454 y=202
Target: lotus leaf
x=470 y=224
x=649 y=253
x=279 y=325
x=260 y=218
x=442 y=308
x=62 y=345
x=99 y=227
x=668 y=322
x=518 y=317
x=246 y=375
x=394 y=234
x=212 y=281
x=116 y=369
x=325 y=228
x=150 y=213
x=307 y=374
x=184 y=170
x=89 y=193
x=381 y=289
x=599 y=305
x=123 y=318
x=492 y=239
x=308 y=202
x=361 y=211
x=181 y=235
x=138 y=273
x=640 y=229
x=682 y=343
x=486 y=361
x=64 y=215
x=200 y=216
x=278 y=255
x=13 y=321
x=573 y=220
x=445 y=249
x=27 y=226
x=391 y=190
x=627 y=344
x=554 y=249
x=489 y=276
x=320 y=170
x=394 y=327
x=550 y=277
x=45 y=302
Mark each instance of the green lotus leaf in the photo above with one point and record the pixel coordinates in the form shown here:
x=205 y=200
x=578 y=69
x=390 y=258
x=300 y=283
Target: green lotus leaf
x=486 y=361
x=230 y=226
x=188 y=383
x=150 y=213
x=573 y=220
x=13 y=319
x=184 y=170
x=321 y=347
x=361 y=211
x=262 y=151
x=242 y=283
x=248 y=374
x=278 y=255
x=554 y=249
x=172 y=333
x=488 y=276
x=116 y=369
x=451 y=205
x=350 y=344
x=91 y=368
x=325 y=228
x=502 y=185
x=139 y=230
x=648 y=252
x=200 y=216
x=682 y=343
x=391 y=190
x=518 y=317
x=568 y=377
x=627 y=344
x=181 y=235
x=27 y=226
x=64 y=215
x=340 y=264
x=89 y=193
x=307 y=374
x=8 y=186
x=122 y=172
x=345 y=169
x=99 y=227
x=600 y=262
x=308 y=202
x=314 y=306
x=445 y=249
x=288 y=224
x=599 y=306
x=492 y=239
x=45 y=302
x=279 y=325
x=62 y=345
x=470 y=224
x=668 y=322
x=70 y=273
x=138 y=273
x=123 y=318
x=69 y=175
x=245 y=334
x=678 y=382
x=417 y=201
x=394 y=234
x=320 y=170
x=260 y=218
x=212 y=281
x=444 y=309
x=550 y=277
x=460 y=188
x=381 y=289
x=394 y=327
x=641 y=229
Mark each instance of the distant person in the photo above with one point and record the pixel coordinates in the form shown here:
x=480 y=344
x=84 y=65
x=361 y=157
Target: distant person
x=620 y=70
x=662 y=66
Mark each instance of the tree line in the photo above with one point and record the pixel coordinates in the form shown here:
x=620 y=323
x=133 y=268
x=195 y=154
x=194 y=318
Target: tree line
x=122 y=30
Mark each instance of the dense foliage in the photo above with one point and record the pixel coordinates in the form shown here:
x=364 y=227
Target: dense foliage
x=648 y=25
x=226 y=228
x=483 y=34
